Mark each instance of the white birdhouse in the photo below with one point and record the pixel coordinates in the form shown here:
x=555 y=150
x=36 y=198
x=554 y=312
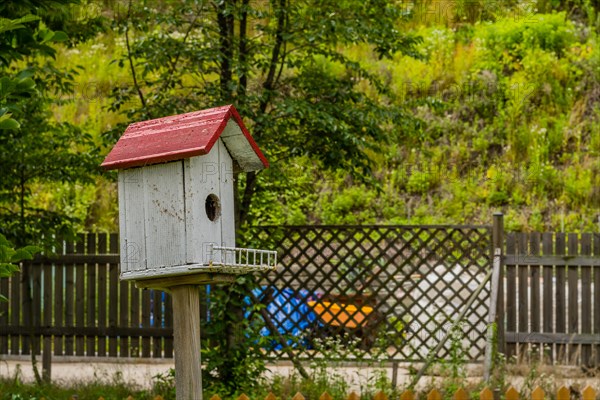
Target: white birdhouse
x=176 y=194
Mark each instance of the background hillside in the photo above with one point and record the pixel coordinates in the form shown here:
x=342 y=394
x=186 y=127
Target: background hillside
x=482 y=107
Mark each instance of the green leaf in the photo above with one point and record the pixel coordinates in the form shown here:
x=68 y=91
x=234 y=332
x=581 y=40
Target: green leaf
x=8 y=123
x=25 y=85
x=25 y=253
x=60 y=36
x=7 y=270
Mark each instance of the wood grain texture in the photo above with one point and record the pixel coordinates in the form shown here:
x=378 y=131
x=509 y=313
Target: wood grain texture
x=164 y=215
x=596 y=299
x=573 y=297
x=47 y=340
x=563 y=393
x=523 y=287
x=537 y=394
x=586 y=299
x=146 y=343
x=201 y=180
x=91 y=295
x=80 y=297
x=588 y=393
x=460 y=394
x=380 y=396
x=548 y=294
x=186 y=332
x=434 y=394
x=486 y=394
x=132 y=225
x=407 y=395
x=557 y=338
x=534 y=282
x=69 y=300
x=166 y=283
x=512 y=394
x=511 y=294
x=113 y=295
x=226 y=182
x=102 y=292
x=58 y=303
x=15 y=310
x=4 y=289
x=560 y=295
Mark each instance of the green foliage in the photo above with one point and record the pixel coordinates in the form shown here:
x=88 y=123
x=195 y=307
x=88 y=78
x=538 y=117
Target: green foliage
x=9 y=257
x=13 y=388
x=490 y=85
x=283 y=69
x=231 y=352
x=509 y=40
x=34 y=149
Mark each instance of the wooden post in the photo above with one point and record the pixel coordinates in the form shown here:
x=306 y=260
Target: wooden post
x=489 y=346
x=186 y=332
x=498 y=243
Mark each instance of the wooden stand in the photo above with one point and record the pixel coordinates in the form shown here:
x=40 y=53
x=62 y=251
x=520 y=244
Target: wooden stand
x=186 y=332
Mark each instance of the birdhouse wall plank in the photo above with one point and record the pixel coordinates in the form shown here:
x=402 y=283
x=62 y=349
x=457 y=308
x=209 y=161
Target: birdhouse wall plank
x=131 y=220
x=165 y=214
x=227 y=197
x=201 y=180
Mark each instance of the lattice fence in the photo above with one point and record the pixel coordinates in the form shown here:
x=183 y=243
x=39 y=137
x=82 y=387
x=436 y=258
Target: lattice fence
x=386 y=292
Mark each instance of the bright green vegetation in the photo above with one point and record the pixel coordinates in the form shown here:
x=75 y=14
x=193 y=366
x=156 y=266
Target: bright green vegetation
x=477 y=108
x=321 y=380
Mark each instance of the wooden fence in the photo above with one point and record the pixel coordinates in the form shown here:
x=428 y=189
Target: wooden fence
x=400 y=286
x=79 y=307
x=563 y=393
x=552 y=301
x=75 y=305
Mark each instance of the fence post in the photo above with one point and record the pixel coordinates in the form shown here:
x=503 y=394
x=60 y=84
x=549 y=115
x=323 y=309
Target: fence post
x=498 y=243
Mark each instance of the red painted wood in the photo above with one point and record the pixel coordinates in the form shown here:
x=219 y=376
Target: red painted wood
x=174 y=138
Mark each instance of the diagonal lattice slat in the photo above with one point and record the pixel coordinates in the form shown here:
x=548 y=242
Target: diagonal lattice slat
x=378 y=291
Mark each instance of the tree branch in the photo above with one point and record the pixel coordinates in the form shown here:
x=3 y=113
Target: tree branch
x=249 y=190
x=131 y=66
x=269 y=83
x=225 y=23
x=171 y=70
x=243 y=48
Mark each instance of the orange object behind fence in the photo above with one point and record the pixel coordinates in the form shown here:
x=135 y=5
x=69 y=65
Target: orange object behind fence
x=340 y=314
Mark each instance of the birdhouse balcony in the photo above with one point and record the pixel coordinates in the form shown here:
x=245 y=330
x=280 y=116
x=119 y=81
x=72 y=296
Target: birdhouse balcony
x=236 y=260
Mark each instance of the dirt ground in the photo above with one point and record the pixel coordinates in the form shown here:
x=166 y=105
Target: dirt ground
x=140 y=374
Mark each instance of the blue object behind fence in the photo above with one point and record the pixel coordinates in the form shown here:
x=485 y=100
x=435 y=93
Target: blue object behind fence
x=289 y=312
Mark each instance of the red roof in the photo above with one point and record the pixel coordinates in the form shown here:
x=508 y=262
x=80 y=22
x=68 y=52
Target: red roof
x=183 y=136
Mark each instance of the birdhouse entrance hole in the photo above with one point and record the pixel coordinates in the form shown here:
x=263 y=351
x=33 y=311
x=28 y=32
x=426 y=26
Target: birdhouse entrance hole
x=213 y=207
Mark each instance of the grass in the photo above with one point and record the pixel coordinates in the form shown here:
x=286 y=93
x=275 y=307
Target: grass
x=445 y=377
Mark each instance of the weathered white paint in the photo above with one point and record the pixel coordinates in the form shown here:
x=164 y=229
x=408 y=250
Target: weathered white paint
x=227 y=197
x=234 y=141
x=164 y=214
x=202 y=179
x=163 y=219
x=132 y=220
